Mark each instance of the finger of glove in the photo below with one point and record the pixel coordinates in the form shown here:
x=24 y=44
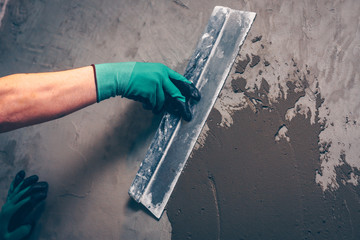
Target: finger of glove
x=170 y=89
x=186 y=87
x=178 y=107
x=26 y=183
x=29 y=181
x=19 y=233
x=188 y=90
x=185 y=111
x=15 y=199
x=36 y=198
x=17 y=180
x=35 y=188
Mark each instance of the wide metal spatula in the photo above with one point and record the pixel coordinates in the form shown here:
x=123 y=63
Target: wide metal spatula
x=174 y=140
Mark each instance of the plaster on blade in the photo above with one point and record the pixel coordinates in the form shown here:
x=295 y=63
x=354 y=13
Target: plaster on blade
x=174 y=140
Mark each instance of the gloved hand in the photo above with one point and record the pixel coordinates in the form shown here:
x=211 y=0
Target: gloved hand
x=153 y=84
x=17 y=215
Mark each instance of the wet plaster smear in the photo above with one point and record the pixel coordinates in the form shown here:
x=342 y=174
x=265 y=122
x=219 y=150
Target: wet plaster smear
x=279 y=157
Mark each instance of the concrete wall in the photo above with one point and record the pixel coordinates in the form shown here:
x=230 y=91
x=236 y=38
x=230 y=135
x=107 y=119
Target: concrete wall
x=276 y=160
x=90 y=157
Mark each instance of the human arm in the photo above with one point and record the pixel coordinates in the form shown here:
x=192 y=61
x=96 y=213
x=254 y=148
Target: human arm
x=28 y=99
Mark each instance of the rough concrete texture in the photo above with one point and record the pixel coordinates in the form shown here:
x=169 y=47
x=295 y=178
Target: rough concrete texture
x=90 y=157
x=278 y=158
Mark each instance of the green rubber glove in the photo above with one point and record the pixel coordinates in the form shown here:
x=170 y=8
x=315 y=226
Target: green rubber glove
x=153 y=84
x=17 y=216
x=8 y=210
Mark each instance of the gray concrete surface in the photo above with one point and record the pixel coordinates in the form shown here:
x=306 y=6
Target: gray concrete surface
x=293 y=175
x=90 y=157
x=277 y=157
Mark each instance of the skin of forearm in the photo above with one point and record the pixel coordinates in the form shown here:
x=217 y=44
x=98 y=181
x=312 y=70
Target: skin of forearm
x=27 y=99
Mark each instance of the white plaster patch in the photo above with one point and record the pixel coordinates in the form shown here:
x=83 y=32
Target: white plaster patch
x=325 y=177
x=282 y=134
x=354 y=179
x=306 y=106
x=341 y=138
x=227 y=103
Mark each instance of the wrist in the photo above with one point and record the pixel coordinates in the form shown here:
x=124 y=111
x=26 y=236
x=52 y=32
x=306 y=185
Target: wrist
x=112 y=79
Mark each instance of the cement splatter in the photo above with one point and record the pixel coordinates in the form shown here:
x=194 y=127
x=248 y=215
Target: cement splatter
x=282 y=134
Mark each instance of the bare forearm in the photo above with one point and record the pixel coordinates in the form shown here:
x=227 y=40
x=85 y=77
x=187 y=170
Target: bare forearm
x=27 y=99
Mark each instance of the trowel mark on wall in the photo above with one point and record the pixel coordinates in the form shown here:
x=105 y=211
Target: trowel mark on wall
x=181 y=4
x=214 y=192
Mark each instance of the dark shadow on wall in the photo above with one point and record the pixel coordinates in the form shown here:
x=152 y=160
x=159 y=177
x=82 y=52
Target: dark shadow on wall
x=108 y=149
x=134 y=206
